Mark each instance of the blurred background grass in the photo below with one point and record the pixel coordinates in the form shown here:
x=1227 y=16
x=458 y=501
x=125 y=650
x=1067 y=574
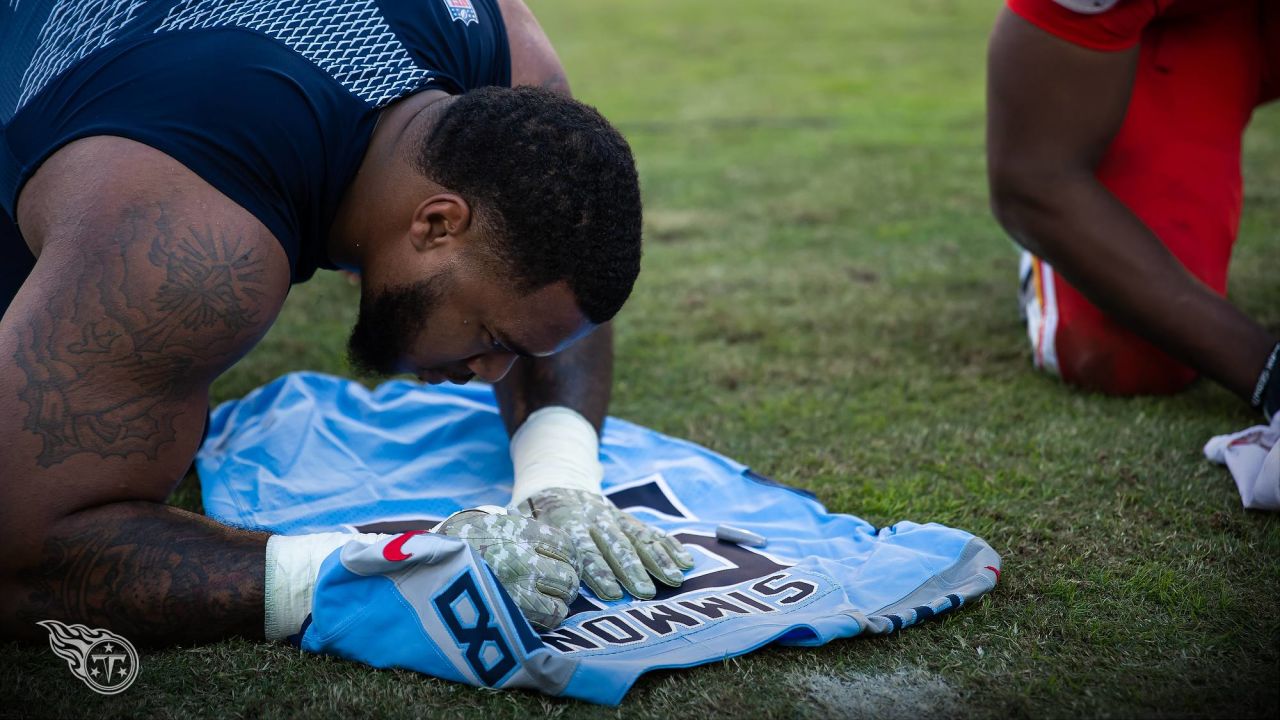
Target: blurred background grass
x=826 y=298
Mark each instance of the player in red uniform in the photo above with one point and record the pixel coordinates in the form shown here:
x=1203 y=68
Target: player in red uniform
x=1114 y=136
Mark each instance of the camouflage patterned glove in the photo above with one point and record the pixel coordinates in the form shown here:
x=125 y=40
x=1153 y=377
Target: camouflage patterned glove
x=612 y=545
x=536 y=563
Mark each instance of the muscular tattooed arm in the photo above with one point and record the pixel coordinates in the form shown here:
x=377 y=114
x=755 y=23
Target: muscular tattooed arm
x=148 y=284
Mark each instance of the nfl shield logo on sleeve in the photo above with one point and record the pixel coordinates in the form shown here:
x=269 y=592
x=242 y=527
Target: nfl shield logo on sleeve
x=462 y=10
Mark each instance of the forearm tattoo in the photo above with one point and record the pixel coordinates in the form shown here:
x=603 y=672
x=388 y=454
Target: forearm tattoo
x=156 y=574
x=107 y=369
x=115 y=329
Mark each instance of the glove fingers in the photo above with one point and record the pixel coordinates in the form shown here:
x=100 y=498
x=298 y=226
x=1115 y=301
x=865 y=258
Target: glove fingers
x=563 y=568
x=627 y=567
x=658 y=561
x=512 y=563
x=679 y=554
x=453 y=525
x=540 y=586
x=655 y=553
x=649 y=533
x=597 y=574
x=556 y=578
x=663 y=555
x=556 y=545
x=543 y=611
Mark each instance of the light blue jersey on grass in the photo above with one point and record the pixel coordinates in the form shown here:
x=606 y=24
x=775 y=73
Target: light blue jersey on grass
x=310 y=453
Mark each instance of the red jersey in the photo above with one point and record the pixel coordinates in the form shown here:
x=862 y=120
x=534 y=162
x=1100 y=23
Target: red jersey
x=1176 y=160
x=1203 y=66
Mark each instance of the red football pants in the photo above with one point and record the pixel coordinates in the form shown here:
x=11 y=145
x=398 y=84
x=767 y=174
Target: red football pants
x=1176 y=164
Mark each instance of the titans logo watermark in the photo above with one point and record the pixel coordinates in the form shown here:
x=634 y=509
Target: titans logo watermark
x=106 y=662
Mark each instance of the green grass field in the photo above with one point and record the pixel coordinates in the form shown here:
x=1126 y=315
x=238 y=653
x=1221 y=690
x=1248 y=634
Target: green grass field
x=826 y=298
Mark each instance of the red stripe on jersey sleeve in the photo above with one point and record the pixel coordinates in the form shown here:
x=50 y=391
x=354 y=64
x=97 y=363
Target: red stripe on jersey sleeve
x=1117 y=28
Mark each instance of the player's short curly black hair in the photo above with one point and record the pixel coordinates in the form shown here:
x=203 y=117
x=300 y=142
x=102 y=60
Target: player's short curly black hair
x=554 y=182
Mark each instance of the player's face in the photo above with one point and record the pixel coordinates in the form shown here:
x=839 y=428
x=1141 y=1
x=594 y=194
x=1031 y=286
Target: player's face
x=458 y=324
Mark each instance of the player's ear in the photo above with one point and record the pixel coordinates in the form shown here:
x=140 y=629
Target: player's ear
x=439 y=221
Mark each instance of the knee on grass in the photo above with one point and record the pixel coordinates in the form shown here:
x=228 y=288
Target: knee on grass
x=1119 y=363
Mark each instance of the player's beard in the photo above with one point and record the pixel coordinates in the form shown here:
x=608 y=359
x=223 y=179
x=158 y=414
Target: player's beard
x=390 y=321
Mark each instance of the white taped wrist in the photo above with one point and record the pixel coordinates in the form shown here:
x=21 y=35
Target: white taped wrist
x=293 y=564
x=556 y=447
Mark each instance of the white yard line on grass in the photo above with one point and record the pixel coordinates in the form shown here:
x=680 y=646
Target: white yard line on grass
x=905 y=694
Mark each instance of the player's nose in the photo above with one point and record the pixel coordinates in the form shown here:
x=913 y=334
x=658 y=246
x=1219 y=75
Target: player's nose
x=492 y=366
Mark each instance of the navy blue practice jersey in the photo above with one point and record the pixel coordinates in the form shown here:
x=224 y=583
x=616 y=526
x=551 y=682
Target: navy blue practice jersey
x=272 y=102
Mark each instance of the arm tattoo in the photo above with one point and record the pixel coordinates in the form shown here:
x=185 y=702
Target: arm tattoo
x=156 y=574
x=114 y=329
